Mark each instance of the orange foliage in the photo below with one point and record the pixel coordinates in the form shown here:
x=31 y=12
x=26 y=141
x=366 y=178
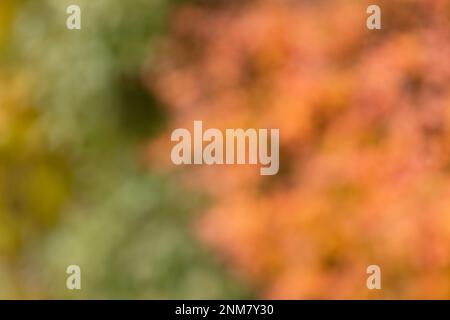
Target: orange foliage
x=364 y=120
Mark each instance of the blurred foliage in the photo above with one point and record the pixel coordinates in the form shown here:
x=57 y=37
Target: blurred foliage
x=365 y=133
x=364 y=148
x=74 y=114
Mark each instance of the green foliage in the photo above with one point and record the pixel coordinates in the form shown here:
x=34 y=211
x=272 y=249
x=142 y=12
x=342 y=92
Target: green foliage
x=77 y=195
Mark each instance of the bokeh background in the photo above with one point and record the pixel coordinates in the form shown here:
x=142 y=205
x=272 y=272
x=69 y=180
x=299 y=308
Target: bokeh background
x=85 y=171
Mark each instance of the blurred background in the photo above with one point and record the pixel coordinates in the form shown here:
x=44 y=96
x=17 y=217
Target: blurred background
x=85 y=171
